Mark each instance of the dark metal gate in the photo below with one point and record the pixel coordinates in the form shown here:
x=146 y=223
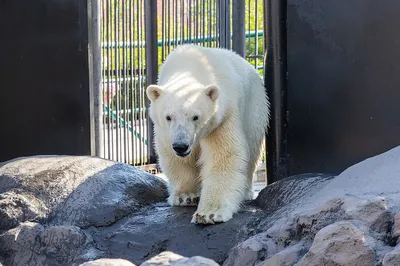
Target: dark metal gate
x=137 y=35
x=332 y=74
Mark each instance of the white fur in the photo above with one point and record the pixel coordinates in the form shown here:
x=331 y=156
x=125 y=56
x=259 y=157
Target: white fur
x=227 y=95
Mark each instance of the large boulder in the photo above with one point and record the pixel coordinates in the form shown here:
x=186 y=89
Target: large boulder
x=72 y=210
x=47 y=202
x=79 y=191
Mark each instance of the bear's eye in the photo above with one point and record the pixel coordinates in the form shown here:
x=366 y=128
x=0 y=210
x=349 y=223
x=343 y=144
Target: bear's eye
x=195 y=118
x=168 y=118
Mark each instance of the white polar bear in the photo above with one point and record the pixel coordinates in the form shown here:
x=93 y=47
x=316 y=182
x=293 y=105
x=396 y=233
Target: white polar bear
x=210 y=113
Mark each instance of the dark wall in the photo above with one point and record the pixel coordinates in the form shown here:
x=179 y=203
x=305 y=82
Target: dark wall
x=44 y=80
x=343 y=82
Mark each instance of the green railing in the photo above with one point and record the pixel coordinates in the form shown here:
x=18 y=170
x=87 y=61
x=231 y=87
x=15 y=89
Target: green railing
x=112 y=45
x=123 y=123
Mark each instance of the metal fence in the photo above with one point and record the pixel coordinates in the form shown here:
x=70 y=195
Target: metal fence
x=129 y=30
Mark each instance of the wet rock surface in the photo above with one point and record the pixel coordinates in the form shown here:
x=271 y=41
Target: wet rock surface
x=77 y=210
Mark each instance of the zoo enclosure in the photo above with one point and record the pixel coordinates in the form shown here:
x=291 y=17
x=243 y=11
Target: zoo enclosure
x=137 y=35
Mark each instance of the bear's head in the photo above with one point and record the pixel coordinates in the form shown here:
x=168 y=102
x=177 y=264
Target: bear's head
x=183 y=116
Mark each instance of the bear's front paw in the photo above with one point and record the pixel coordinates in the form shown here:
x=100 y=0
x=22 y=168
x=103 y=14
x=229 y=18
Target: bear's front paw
x=184 y=199
x=211 y=216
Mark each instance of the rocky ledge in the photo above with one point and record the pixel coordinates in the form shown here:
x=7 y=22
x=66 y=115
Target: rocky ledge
x=77 y=210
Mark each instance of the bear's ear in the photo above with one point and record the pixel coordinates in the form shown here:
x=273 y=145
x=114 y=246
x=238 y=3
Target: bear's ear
x=212 y=91
x=153 y=92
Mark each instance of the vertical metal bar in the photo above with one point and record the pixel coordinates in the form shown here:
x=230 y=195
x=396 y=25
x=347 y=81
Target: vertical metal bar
x=141 y=77
x=94 y=52
x=222 y=23
x=152 y=67
x=121 y=84
x=163 y=30
x=200 y=23
x=275 y=77
x=214 y=22
x=140 y=63
x=143 y=97
x=132 y=76
x=109 y=69
x=249 y=21
x=218 y=23
x=119 y=74
x=210 y=23
x=173 y=24
x=190 y=23
x=203 y=15
x=238 y=27
x=115 y=70
x=124 y=58
x=216 y=30
x=169 y=25
x=182 y=22
x=103 y=74
x=228 y=24
x=265 y=27
x=196 y=27
x=176 y=23
x=256 y=35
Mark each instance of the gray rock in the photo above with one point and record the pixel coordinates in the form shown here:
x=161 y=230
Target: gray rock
x=81 y=191
x=291 y=236
x=67 y=210
x=287 y=257
x=18 y=245
x=115 y=207
x=16 y=208
x=108 y=262
x=392 y=258
x=396 y=227
x=340 y=244
x=154 y=230
x=373 y=177
x=372 y=212
x=32 y=244
x=286 y=195
x=167 y=258
x=254 y=249
x=66 y=194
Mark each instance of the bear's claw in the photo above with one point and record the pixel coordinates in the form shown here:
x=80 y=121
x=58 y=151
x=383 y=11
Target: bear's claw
x=184 y=199
x=211 y=217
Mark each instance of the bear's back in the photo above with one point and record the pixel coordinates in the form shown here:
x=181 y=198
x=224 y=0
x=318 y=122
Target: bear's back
x=207 y=65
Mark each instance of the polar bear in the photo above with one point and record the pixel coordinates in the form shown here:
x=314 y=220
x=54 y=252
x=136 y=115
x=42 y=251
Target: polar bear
x=210 y=113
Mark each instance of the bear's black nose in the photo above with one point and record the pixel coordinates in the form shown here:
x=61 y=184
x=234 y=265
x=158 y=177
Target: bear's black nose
x=180 y=148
